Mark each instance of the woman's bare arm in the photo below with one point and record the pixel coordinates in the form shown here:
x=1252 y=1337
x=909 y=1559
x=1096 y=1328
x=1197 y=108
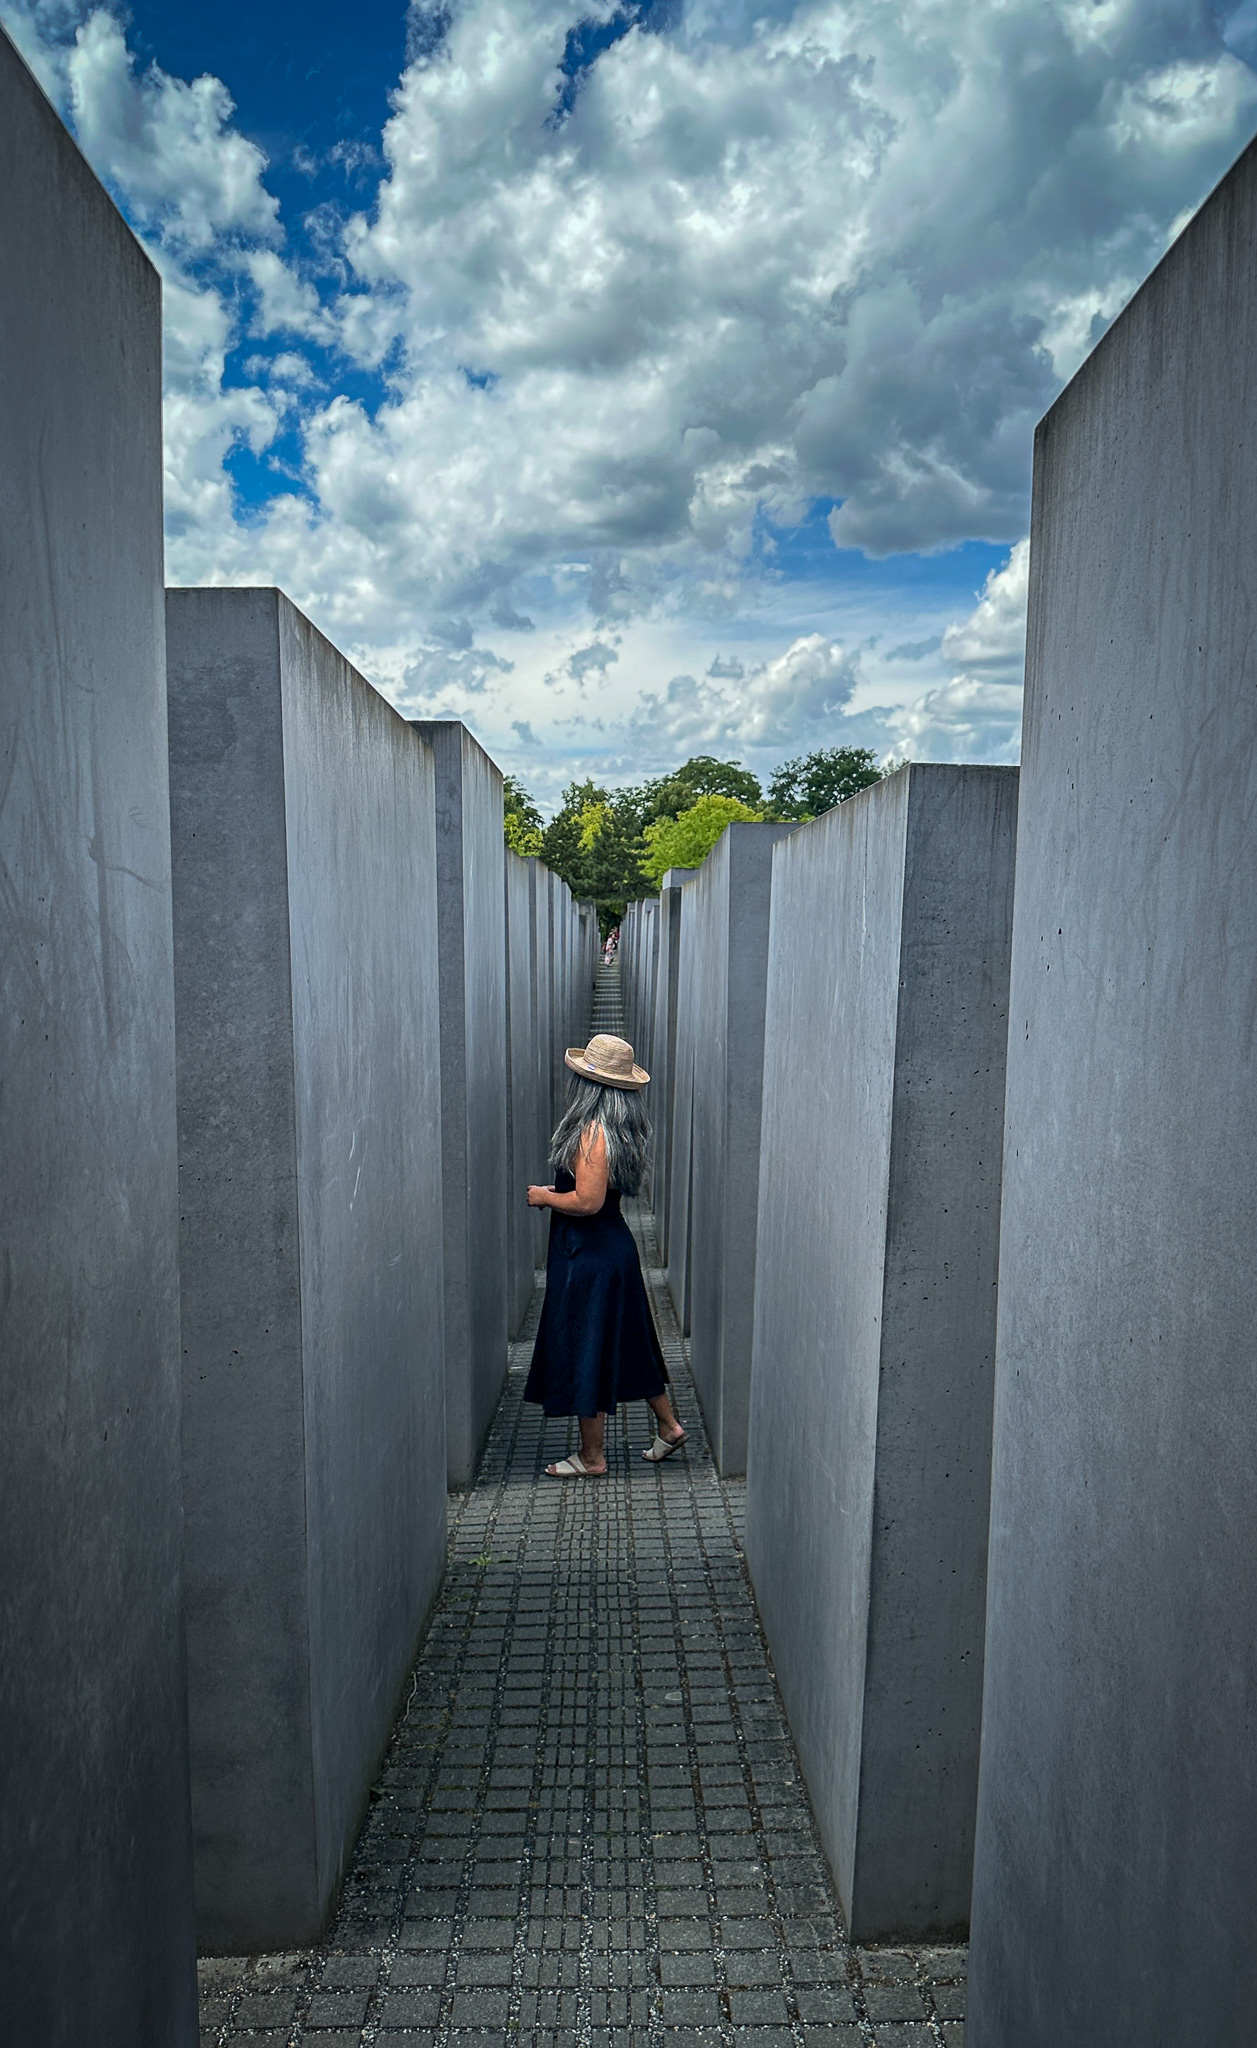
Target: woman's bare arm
x=591 y=1183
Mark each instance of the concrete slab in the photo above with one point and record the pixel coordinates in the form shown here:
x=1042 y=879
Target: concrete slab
x=664 y=1047
x=588 y=916
x=638 y=957
x=868 y=1480
x=525 y=1164
x=303 y=818
x=539 y=917
x=96 y=1927
x=470 y=856
x=1114 y=1889
x=728 y=940
x=681 y=1113
x=643 y=1016
x=565 y=1034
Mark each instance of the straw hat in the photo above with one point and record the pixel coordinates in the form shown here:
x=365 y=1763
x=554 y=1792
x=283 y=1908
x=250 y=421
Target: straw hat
x=606 y=1059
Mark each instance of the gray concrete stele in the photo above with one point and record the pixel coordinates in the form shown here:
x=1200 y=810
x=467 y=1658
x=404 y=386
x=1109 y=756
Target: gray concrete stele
x=96 y=1929
x=547 y=1024
x=725 y=917
x=472 y=925
x=664 y=1047
x=869 y=1467
x=523 y=1161
x=303 y=818
x=1115 y=1885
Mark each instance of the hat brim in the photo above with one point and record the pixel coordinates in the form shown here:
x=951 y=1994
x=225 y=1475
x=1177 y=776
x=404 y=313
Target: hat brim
x=574 y=1058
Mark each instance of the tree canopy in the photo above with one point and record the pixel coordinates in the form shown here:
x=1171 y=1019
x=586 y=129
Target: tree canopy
x=611 y=845
x=686 y=841
x=813 y=783
x=521 y=820
x=594 y=842
x=702 y=775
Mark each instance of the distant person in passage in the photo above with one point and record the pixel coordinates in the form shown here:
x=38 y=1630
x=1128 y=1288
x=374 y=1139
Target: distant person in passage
x=597 y=1344
x=611 y=947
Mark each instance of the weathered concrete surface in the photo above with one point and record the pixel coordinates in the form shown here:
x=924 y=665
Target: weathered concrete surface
x=524 y=1161
x=664 y=1048
x=96 y=1930
x=728 y=936
x=869 y=1468
x=568 y=1034
x=681 y=1116
x=587 y=919
x=539 y=916
x=643 y=1015
x=472 y=922
x=303 y=818
x=638 y=955
x=1115 y=1894
x=628 y=960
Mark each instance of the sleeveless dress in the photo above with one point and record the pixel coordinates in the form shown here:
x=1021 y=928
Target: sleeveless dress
x=596 y=1344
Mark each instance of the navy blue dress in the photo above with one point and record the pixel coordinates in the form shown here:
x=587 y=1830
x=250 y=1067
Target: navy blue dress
x=597 y=1342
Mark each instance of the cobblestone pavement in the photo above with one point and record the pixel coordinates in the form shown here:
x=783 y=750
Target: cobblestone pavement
x=590 y=1828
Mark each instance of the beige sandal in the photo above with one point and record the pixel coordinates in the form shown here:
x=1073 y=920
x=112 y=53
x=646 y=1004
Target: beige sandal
x=572 y=1468
x=661 y=1449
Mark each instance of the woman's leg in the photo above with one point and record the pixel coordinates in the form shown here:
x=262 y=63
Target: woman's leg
x=669 y=1428
x=592 y=1434
x=592 y=1431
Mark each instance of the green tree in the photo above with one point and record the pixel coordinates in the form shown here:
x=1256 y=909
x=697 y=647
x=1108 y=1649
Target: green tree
x=521 y=820
x=685 y=842
x=594 y=842
x=702 y=775
x=813 y=783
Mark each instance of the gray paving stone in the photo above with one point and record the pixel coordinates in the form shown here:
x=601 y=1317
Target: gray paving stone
x=337 y=2009
x=825 y=2005
x=686 y=1969
x=945 y=1965
x=887 y=1965
x=748 y=1934
x=409 y=2008
x=691 y=2008
x=817 y=1966
x=893 y=2002
x=759 y=2008
x=270 y=2009
x=754 y=1967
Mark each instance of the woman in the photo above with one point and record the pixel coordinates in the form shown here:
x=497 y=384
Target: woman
x=597 y=1344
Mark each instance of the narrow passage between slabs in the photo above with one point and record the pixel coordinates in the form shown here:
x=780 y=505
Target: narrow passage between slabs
x=590 y=1828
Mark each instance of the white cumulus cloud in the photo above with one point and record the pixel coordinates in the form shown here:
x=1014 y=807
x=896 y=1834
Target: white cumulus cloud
x=594 y=348
x=976 y=713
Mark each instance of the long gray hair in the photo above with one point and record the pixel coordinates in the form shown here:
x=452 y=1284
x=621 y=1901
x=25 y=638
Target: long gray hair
x=625 y=1126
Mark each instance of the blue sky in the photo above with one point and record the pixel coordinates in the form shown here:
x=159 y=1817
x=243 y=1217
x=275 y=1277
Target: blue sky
x=303 y=74
x=640 y=379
